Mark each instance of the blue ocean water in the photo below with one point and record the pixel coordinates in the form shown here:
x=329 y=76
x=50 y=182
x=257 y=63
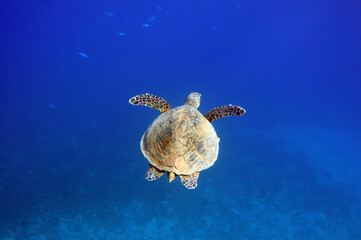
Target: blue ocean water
x=70 y=161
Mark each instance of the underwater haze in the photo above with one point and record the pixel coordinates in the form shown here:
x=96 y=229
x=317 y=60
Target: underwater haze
x=71 y=166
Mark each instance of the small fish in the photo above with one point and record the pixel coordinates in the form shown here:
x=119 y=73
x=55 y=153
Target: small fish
x=159 y=8
x=152 y=19
x=109 y=14
x=121 y=34
x=50 y=105
x=145 y=25
x=83 y=54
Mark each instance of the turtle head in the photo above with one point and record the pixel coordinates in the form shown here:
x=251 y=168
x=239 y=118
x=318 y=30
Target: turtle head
x=194 y=99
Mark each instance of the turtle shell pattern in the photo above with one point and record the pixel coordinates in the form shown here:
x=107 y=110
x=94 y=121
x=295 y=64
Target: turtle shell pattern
x=181 y=140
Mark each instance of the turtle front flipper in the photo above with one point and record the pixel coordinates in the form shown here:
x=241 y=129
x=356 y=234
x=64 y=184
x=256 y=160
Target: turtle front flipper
x=224 y=111
x=152 y=101
x=190 y=181
x=153 y=173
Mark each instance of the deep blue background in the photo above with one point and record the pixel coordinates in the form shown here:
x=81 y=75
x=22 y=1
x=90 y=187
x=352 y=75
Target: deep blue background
x=288 y=169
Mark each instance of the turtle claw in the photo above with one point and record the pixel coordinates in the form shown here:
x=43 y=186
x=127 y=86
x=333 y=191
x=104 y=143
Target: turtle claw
x=153 y=173
x=190 y=181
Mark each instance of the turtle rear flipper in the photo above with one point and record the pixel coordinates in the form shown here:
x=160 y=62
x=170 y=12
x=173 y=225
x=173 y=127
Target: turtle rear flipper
x=224 y=111
x=153 y=173
x=152 y=101
x=190 y=181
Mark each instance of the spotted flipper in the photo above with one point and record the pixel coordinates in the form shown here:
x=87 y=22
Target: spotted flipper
x=153 y=173
x=152 y=101
x=224 y=111
x=190 y=181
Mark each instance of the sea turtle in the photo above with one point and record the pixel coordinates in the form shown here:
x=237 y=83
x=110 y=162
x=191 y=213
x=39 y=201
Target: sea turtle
x=181 y=141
